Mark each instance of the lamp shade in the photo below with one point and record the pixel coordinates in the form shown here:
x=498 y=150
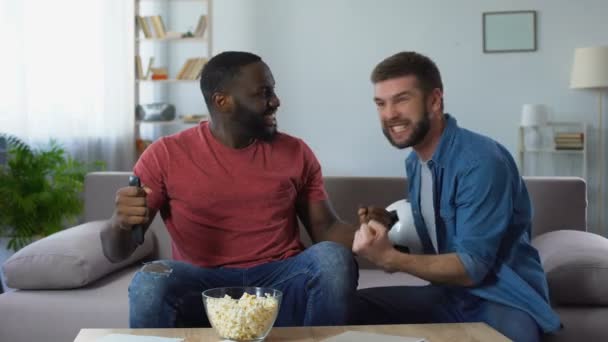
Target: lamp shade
x=533 y=115
x=590 y=68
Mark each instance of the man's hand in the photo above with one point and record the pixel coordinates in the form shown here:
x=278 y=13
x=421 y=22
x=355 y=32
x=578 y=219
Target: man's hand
x=371 y=242
x=130 y=207
x=380 y=215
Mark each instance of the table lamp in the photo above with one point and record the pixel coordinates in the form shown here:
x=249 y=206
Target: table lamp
x=533 y=116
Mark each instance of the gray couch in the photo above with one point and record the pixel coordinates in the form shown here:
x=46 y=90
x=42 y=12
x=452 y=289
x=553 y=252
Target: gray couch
x=98 y=295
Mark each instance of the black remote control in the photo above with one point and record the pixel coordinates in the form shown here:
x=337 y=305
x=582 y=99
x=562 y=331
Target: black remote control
x=137 y=233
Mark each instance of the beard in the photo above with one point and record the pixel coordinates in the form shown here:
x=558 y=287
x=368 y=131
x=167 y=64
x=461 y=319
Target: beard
x=254 y=124
x=419 y=131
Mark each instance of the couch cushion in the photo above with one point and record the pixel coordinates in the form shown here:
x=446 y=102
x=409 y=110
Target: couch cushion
x=58 y=315
x=67 y=259
x=581 y=323
x=576 y=264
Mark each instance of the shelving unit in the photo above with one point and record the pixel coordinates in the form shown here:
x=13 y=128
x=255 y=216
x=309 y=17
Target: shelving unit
x=548 y=159
x=168 y=31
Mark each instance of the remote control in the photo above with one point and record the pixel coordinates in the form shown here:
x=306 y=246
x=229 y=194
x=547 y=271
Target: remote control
x=137 y=233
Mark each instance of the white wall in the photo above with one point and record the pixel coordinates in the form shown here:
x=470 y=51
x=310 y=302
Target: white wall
x=322 y=52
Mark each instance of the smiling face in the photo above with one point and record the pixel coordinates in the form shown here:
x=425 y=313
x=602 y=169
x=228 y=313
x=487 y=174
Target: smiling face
x=402 y=107
x=255 y=102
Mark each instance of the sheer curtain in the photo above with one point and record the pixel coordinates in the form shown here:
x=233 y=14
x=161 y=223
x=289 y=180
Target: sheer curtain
x=67 y=73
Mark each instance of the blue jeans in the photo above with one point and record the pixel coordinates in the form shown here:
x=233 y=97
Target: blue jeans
x=438 y=304
x=318 y=285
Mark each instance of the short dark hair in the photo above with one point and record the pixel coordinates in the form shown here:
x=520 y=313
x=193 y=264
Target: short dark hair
x=409 y=63
x=221 y=69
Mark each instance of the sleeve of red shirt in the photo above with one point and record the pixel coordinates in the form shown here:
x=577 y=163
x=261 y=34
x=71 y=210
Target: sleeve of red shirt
x=151 y=168
x=313 y=188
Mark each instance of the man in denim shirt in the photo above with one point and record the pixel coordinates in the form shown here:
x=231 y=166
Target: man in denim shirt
x=472 y=214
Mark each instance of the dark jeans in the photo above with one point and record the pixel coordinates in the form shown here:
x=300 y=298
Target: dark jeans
x=437 y=304
x=318 y=285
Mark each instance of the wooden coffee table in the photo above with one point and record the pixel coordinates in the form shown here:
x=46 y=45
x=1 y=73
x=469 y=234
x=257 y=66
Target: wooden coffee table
x=455 y=332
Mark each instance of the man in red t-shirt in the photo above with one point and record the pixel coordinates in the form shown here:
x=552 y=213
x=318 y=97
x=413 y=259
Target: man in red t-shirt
x=230 y=191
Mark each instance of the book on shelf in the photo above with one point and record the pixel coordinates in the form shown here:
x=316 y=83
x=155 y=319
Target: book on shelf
x=159 y=71
x=143 y=26
x=150 y=24
x=570 y=135
x=159 y=26
x=191 y=69
x=159 y=74
x=198 y=68
x=139 y=70
x=182 y=71
x=149 y=70
x=569 y=140
x=194 y=118
x=201 y=26
x=559 y=144
x=568 y=147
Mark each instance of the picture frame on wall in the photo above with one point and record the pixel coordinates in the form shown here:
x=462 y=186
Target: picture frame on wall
x=509 y=31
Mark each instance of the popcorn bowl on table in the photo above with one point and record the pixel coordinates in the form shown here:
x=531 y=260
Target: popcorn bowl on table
x=242 y=313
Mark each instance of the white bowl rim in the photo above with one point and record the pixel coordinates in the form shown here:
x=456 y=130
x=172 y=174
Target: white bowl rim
x=276 y=293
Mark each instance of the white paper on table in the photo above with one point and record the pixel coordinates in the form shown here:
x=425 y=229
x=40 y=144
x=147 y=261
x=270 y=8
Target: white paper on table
x=358 y=336
x=136 y=338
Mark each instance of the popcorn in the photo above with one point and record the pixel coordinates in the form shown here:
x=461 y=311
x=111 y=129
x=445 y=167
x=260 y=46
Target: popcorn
x=244 y=319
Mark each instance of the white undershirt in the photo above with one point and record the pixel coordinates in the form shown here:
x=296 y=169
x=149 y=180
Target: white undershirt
x=427 y=207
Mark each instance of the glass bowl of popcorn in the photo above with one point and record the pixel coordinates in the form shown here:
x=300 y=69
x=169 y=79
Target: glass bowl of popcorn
x=242 y=313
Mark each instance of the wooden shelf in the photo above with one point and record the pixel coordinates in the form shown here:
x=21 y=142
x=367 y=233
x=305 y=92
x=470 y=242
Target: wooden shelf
x=165 y=123
x=174 y=0
x=192 y=39
x=554 y=151
x=166 y=81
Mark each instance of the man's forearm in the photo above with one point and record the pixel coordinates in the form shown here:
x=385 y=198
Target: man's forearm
x=342 y=233
x=442 y=268
x=117 y=244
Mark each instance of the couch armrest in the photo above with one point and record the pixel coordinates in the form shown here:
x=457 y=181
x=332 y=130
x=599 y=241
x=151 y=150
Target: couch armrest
x=68 y=259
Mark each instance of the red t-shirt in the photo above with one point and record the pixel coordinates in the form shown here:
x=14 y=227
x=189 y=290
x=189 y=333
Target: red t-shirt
x=230 y=207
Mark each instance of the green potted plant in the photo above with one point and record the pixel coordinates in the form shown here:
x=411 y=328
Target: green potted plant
x=40 y=191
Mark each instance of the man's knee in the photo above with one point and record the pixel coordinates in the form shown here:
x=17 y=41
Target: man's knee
x=335 y=264
x=332 y=250
x=156 y=271
x=333 y=256
x=151 y=280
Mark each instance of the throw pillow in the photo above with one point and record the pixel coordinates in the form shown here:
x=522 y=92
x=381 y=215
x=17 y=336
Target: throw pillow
x=576 y=264
x=68 y=259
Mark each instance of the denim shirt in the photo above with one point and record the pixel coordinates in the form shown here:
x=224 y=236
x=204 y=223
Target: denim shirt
x=484 y=215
